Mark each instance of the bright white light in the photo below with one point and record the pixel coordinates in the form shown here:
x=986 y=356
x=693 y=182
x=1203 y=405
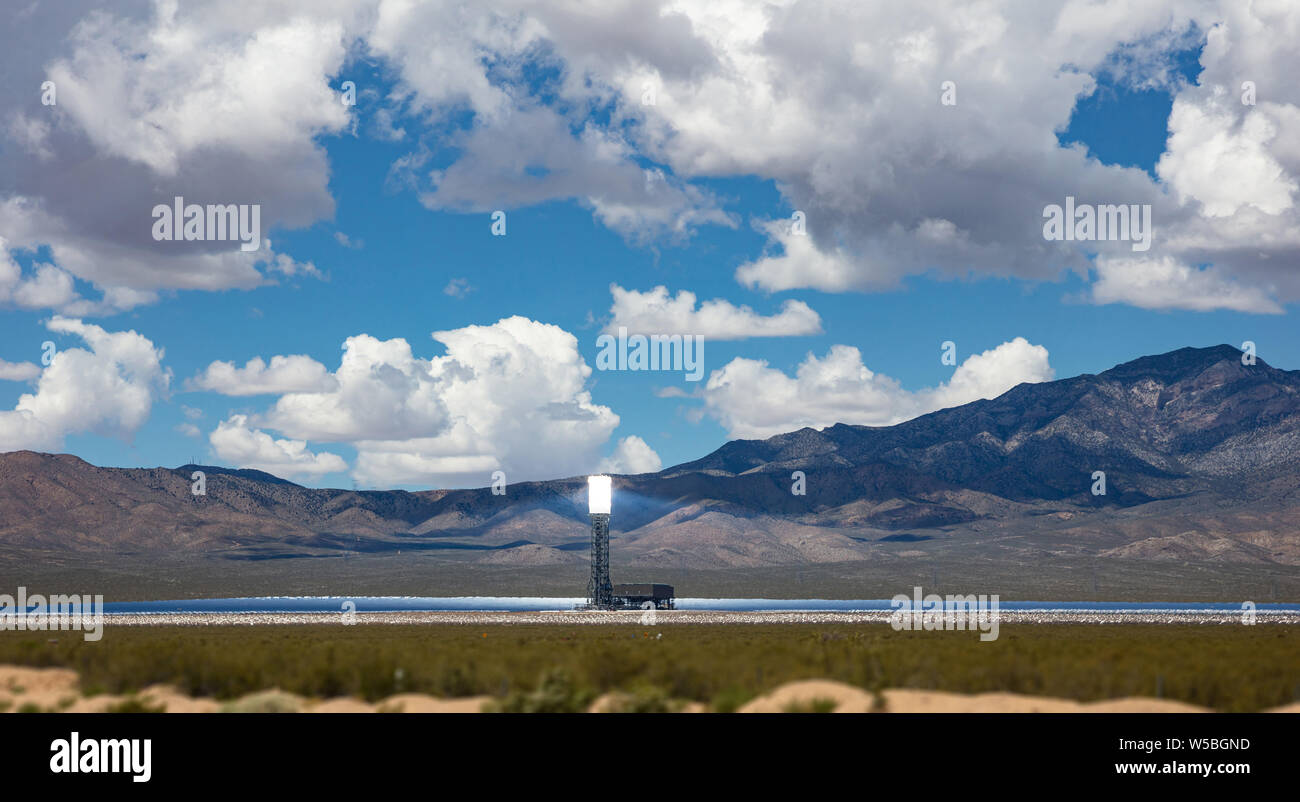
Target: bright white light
x=598 y=494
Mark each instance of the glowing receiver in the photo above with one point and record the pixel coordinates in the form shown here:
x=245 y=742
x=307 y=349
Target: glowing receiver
x=598 y=495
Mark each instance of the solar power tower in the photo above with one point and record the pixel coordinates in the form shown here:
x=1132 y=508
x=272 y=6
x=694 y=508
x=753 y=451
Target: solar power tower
x=600 y=593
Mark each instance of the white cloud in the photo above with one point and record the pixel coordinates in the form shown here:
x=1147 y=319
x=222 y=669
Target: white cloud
x=836 y=103
x=192 y=101
x=234 y=442
x=514 y=394
x=348 y=242
x=287 y=266
x=518 y=150
x=1166 y=283
x=108 y=389
x=382 y=128
x=801 y=264
x=1221 y=159
x=138 y=91
x=530 y=157
x=632 y=455
x=839 y=104
x=286 y=374
x=381 y=392
x=990 y=374
x=510 y=396
x=457 y=288
x=657 y=312
x=49 y=288
x=128 y=275
x=18 y=371
x=31 y=134
x=753 y=400
x=45 y=287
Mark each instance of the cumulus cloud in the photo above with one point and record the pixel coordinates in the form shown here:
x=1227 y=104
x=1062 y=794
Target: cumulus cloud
x=753 y=400
x=627 y=108
x=18 y=371
x=128 y=275
x=1221 y=160
x=1164 y=283
x=990 y=374
x=234 y=442
x=839 y=104
x=794 y=262
x=632 y=455
x=520 y=150
x=44 y=287
x=896 y=183
x=108 y=389
x=259 y=91
x=285 y=374
x=531 y=157
x=156 y=101
x=381 y=392
x=509 y=396
x=657 y=312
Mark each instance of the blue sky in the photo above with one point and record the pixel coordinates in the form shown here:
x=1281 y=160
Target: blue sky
x=560 y=256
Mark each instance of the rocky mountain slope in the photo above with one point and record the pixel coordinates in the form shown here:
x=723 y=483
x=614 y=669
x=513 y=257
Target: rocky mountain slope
x=1201 y=456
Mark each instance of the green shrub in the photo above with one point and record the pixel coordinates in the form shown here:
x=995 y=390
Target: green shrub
x=730 y=700
x=556 y=693
x=644 y=700
x=134 y=704
x=1229 y=668
x=812 y=706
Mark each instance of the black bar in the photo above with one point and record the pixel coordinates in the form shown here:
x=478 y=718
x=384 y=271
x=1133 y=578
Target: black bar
x=1050 y=752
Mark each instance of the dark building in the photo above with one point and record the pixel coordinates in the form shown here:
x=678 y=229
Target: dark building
x=599 y=593
x=635 y=596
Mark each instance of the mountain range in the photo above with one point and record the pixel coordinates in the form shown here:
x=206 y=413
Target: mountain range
x=1200 y=455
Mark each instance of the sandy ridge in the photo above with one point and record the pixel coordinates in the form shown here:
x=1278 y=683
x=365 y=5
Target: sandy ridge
x=25 y=689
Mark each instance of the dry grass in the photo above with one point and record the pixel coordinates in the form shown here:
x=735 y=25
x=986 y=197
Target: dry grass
x=566 y=667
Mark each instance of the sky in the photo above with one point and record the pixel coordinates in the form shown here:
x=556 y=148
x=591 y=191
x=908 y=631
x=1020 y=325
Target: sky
x=844 y=203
